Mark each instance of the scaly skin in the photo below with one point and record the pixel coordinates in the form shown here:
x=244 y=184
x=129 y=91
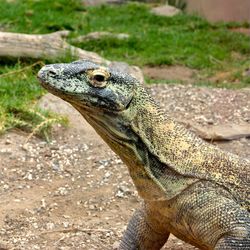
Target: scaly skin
x=190 y=188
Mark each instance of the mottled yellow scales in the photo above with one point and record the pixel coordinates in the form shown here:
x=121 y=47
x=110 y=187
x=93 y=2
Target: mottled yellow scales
x=190 y=188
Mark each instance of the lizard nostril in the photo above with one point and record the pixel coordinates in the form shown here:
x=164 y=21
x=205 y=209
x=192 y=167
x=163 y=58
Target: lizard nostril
x=51 y=72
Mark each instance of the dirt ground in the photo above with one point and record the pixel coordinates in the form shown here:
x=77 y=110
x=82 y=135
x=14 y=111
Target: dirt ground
x=75 y=193
x=170 y=73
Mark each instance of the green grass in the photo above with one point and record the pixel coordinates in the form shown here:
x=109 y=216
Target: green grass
x=19 y=91
x=184 y=40
x=154 y=40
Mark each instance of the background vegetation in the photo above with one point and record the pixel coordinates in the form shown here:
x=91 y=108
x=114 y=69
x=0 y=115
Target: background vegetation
x=181 y=40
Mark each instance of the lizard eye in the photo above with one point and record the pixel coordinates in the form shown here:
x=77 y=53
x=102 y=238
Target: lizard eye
x=98 y=77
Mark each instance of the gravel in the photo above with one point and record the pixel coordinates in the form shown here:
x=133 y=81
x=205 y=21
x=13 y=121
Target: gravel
x=74 y=192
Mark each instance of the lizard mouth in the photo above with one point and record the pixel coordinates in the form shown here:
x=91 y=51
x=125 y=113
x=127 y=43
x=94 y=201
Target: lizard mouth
x=49 y=80
x=42 y=78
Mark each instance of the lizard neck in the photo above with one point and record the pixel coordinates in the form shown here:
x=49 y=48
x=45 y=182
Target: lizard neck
x=115 y=130
x=126 y=133
x=148 y=120
x=185 y=154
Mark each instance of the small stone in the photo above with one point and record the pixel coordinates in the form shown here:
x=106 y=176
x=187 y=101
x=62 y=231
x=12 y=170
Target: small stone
x=79 y=203
x=91 y=207
x=43 y=203
x=116 y=245
x=166 y=10
x=35 y=225
x=119 y=194
x=8 y=141
x=107 y=175
x=50 y=226
x=56 y=166
x=29 y=177
x=66 y=224
x=124 y=189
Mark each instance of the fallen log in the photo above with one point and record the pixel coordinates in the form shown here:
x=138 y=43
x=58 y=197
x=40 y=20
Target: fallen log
x=48 y=46
x=54 y=47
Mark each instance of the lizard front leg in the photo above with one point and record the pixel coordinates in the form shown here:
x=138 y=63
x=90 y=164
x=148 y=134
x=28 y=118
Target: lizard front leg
x=239 y=235
x=142 y=233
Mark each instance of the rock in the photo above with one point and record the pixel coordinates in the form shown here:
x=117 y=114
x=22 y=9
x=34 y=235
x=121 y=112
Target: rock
x=166 y=10
x=223 y=132
x=101 y=2
x=132 y=70
x=99 y=35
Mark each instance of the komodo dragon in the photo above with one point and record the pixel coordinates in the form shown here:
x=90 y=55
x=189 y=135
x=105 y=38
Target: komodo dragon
x=190 y=188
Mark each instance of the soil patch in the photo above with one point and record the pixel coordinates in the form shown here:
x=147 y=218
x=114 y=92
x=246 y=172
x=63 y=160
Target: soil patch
x=170 y=73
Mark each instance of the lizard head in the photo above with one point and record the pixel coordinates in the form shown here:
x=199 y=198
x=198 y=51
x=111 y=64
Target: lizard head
x=87 y=85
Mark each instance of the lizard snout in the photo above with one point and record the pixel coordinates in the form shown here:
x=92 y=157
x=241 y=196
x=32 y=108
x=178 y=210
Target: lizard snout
x=47 y=72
